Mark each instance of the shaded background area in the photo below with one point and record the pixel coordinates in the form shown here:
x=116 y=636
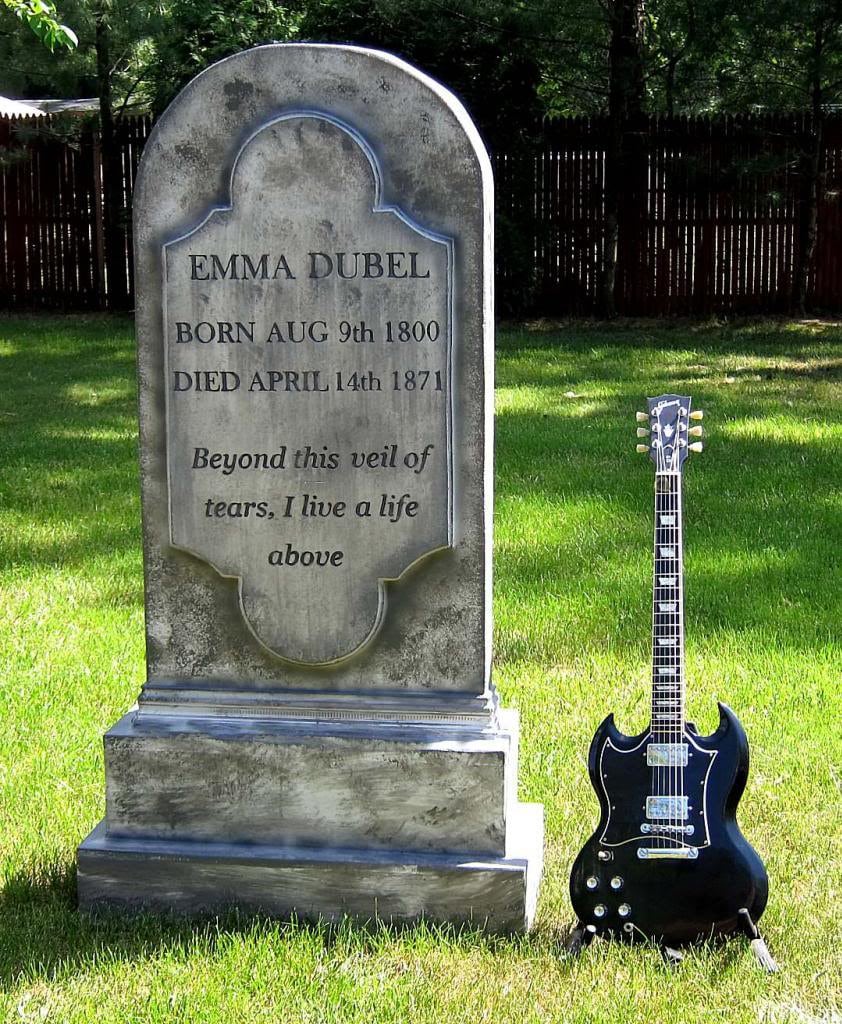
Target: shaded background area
x=710 y=217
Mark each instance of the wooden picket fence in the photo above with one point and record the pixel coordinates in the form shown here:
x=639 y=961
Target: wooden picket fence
x=52 y=216
x=709 y=218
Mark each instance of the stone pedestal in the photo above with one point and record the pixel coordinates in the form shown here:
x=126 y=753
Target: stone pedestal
x=373 y=820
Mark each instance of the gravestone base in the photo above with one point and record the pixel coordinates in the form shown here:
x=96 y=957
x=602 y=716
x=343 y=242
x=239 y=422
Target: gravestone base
x=494 y=893
x=316 y=819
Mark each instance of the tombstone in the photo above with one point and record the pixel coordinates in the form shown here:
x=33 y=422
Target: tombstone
x=318 y=732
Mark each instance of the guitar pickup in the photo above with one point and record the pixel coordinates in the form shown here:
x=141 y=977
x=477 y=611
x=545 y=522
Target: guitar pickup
x=673 y=808
x=667 y=755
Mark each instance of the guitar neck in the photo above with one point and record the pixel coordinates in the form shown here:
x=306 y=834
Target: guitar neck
x=668 y=612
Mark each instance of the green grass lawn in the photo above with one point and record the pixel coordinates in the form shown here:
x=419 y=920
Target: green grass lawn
x=763 y=531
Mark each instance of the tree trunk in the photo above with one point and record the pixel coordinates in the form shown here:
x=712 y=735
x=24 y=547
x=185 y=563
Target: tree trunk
x=669 y=85
x=625 y=105
x=115 y=270
x=808 y=220
x=613 y=189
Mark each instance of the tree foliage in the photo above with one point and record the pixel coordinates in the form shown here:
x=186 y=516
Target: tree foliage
x=42 y=19
x=29 y=71
x=510 y=60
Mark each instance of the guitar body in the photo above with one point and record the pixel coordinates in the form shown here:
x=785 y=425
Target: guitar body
x=697 y=871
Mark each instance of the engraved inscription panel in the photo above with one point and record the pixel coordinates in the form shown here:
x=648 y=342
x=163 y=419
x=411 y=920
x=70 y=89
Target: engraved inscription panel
x=307 y=332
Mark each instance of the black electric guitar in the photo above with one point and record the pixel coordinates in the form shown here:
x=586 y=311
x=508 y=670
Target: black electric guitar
x=668 y=862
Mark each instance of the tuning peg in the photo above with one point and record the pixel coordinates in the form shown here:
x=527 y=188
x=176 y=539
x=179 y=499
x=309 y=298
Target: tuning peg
x=642 y=448
x=696 y=432
x=642 y=417
x=696 y=446
x=697 y=414
x=642 y=432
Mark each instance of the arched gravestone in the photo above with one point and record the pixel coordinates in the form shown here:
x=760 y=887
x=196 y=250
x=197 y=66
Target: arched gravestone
x=318 y=731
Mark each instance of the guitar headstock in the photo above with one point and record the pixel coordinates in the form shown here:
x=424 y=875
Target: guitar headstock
x=669 y=431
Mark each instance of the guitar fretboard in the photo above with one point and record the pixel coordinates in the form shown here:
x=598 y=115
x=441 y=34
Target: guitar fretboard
x=668 y=613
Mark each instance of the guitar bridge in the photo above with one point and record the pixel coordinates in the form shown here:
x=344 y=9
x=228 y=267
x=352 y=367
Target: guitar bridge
x=685 y=830
x=667 y=853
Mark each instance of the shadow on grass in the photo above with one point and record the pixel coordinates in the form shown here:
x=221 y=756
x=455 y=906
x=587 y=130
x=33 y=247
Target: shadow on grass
x=44 y=938
x=43 y=935
x=68 y=407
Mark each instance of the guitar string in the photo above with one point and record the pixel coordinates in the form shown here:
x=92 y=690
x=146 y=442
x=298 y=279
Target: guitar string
x=679 y=529
x=669 y=779
x=666 y=568
x=664 y=706
x=656 y=770
x=665 y=632
x=656 y=779
x=677 y=646
x=675 y=615
x=669 y=627
x=658 y=690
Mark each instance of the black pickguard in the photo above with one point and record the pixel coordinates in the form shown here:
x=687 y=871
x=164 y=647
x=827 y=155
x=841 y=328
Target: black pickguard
x=669 y=900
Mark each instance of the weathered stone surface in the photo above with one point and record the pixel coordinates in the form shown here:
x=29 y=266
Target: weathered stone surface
x=316 y=149
x=367 y=787
x=307 y=342
x=495 y=893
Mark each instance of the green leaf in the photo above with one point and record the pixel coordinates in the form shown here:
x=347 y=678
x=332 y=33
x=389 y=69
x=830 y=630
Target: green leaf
x=41 y=17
